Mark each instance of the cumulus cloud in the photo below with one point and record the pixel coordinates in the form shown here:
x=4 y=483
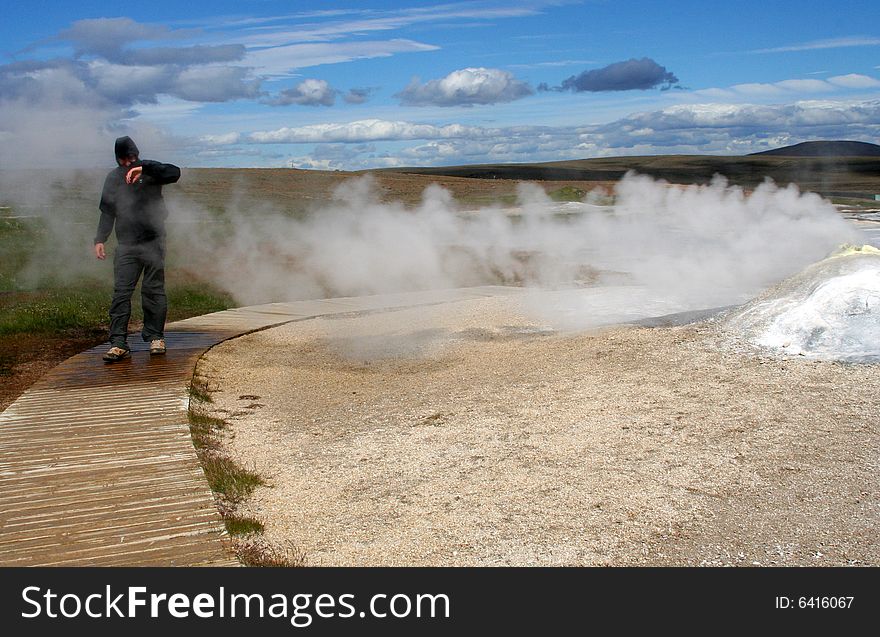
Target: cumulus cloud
x=115 y=75
x=331 y=156
x=74 y=106
x=126 y=85
x=221 y=140
x=111 y=85
x=309 y=92
x=466 y=87
x=313 y=92
x=358 y=95
x=629 y=75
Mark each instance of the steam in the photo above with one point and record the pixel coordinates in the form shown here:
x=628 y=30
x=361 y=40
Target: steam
x=650 y=245
x=701 y=245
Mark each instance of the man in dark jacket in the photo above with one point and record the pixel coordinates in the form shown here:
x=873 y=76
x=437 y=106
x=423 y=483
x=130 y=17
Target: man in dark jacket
x=132 y=200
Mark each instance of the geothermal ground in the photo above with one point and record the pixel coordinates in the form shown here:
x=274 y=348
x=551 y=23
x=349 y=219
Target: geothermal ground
x=472 y=434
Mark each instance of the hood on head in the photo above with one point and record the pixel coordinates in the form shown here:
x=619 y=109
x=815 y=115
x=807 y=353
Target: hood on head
x=126 y=147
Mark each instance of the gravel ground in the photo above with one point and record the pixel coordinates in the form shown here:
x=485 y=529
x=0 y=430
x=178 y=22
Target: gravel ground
x=468 y=434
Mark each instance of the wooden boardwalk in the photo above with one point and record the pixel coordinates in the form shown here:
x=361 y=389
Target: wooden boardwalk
x=97 y=465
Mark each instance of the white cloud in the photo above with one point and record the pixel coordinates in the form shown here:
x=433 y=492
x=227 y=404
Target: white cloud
x=756 y=89
x=466 y=87
x=214 y=84
x=309 y=92
x=129 y=84
x=358 y=95
x=365 y=131
x=831 y=43
x=803 y=87
x=282 y=61
x=854 y=80
x=107 y=36
x=311 y=163
x=166 y=109
x=737 y=128
x=715 y=93
x=221 y=140
x=803 y=113
x=118 y=73
x=181 y=55
x=721 y=128
x=553 y=63
x=371 y=20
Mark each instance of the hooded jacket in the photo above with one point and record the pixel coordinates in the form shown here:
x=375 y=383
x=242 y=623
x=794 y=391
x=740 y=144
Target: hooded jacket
x=138 y=210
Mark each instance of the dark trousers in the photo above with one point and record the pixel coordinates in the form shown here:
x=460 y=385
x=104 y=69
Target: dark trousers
x=129 y=262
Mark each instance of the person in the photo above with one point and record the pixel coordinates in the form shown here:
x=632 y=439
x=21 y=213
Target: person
x=132 y=200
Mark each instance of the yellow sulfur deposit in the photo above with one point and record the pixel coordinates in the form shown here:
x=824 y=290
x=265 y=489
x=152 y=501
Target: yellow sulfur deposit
x=848 y=249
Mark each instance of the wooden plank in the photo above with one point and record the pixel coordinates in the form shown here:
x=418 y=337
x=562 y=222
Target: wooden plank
x=97 y=465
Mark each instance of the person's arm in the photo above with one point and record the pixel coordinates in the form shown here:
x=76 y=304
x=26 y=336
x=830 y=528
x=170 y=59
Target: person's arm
x=108 y=217
x=157 y=172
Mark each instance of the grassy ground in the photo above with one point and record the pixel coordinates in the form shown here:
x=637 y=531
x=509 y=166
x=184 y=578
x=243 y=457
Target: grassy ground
x=298 y=191
x=54 y=298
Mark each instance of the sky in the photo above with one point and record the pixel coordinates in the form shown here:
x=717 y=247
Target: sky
x=357 y=85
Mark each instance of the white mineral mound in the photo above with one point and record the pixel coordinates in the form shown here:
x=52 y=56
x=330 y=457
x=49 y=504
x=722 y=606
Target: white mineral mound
x=829 y=311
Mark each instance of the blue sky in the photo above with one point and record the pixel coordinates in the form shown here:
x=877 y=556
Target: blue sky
x=351 y=85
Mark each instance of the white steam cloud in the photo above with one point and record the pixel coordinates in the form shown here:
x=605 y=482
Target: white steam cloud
x=649 y=248
x=703 y=246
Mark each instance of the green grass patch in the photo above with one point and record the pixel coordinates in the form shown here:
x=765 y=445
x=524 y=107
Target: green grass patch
x=228 y=479
x=567 y=193
x=204 y=429
x=54 y=310
x=57 y=308
x=17 y=243
x=194 y=299
x=239 y=525
x=51 y=283
x=473 y=200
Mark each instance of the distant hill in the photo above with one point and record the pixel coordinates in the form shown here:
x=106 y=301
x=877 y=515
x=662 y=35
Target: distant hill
x=826 y=149
x=840 y=176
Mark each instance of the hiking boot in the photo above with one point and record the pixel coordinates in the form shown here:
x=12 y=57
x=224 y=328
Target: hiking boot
x=116 y=354
x=157 y=346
